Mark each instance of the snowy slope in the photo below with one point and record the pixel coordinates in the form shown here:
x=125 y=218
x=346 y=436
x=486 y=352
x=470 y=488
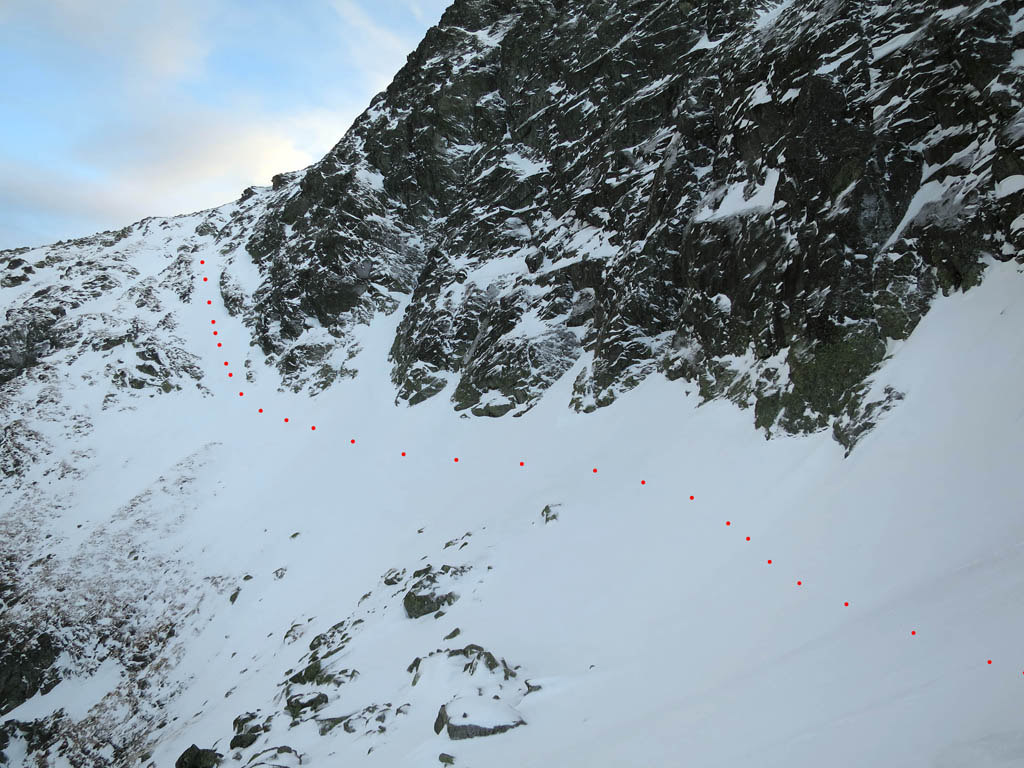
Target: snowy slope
x=656 y=632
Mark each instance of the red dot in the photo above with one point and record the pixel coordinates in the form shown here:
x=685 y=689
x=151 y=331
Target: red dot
x=313 y=428
x=230 y=375
x=240 y=394
x=643 y=482
x=354 y=442
x=261 y=410
x=403 y=453
x=913 y=631
x=769 y=562
x=595 y=469
x=209 y=302
x=799 y=583
x=214 y=333
x=691 y=498
x=202 y=261
x=204 y=279
x=456 y=459
x=219 y=344
x=522 y=463
x=286 y=421
x=213 y=322
x=990 y=661
x=748 y=538
x=846 y=605
x=225 y=362
x=727 y=522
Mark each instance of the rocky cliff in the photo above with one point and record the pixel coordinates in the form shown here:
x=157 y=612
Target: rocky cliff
x=753 y=198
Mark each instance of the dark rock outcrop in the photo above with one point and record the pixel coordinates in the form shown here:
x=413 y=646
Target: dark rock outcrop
x=461 y=725
x=194 y=757
x=25 y=669
x=420 y=604
x=426 y=595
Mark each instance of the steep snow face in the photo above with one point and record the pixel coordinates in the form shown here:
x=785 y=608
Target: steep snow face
x=396 y=584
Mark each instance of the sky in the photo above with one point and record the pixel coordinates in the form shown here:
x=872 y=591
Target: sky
x=114 y=110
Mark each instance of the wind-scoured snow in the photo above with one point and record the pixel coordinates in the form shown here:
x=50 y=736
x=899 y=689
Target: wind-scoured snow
x=738 y=202
x=704 y=44
x=891 y=46
x=769 y=16
x=1009 y=185
x=930 y=192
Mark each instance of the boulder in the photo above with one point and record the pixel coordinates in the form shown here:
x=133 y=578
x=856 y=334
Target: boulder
x=194 y=757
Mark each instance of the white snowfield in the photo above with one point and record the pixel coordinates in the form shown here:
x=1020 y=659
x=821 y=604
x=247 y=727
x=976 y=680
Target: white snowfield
x=658 y=635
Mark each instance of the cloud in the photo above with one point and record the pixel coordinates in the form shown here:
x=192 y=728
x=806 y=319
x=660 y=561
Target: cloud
x=126 y=109
x=376 y=50
x=415 y=10
x=158 y=165
x=158 y=38
x=243 y=146
x=175 y=46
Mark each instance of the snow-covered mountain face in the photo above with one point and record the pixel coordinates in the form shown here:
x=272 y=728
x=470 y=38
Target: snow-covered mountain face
x=754 y=198
x=239 y=509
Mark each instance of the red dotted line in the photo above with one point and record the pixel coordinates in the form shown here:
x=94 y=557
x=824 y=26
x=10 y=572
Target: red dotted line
x=846 y=603
x=728 y=523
